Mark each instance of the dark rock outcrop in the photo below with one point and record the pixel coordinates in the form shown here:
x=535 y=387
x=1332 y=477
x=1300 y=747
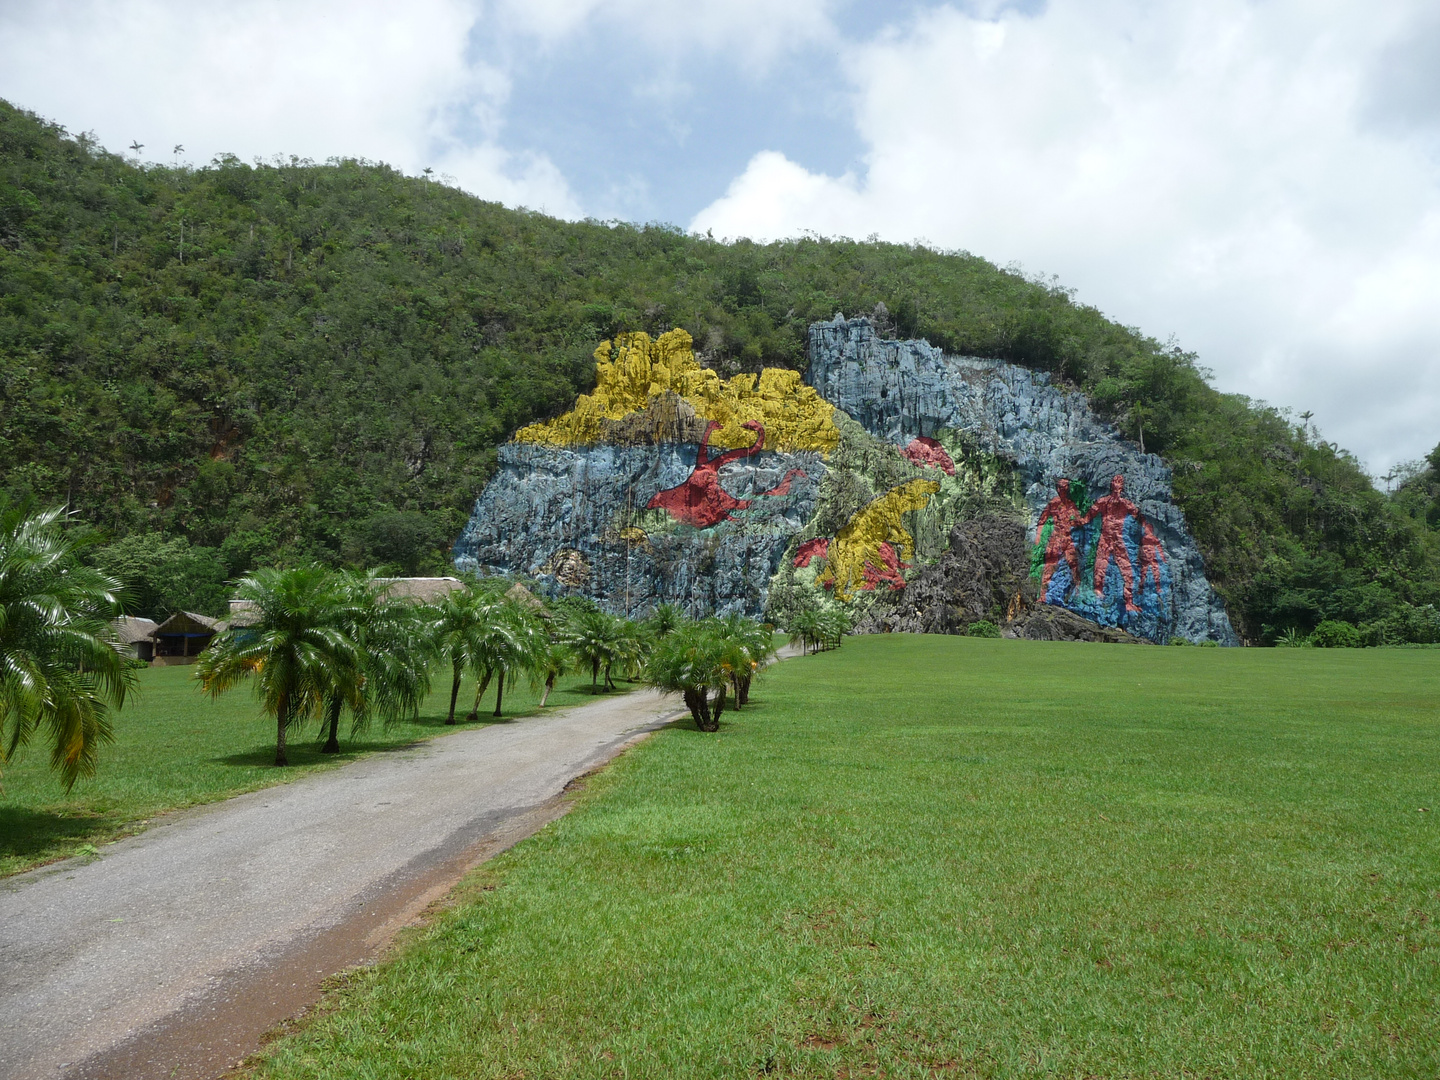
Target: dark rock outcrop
x=1049 y=622
x=983 y=574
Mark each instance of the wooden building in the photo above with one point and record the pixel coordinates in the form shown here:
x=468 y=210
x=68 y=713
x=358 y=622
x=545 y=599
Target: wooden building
x=182 y=637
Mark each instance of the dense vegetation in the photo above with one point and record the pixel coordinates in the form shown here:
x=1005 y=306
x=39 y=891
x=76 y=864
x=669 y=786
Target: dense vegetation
x=243 y=365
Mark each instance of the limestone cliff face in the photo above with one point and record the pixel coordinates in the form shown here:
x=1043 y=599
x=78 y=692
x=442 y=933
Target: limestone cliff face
x=577 y=520
x=1135 y=567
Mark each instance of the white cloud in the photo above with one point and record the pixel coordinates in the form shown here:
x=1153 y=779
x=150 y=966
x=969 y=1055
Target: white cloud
x=1204 y=167
x=351 y=78
x=752 y=32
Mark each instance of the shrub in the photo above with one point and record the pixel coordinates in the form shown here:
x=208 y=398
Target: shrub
x=1335 y=634
x=983 y=628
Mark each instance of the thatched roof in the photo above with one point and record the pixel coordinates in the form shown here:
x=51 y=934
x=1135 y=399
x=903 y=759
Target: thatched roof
x=131 y=628
x=423 y=590
x=187 y=622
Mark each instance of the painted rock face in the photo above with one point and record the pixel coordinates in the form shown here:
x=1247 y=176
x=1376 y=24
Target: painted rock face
x=760 y=492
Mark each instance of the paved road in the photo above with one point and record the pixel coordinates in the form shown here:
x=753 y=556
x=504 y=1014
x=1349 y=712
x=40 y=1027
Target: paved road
x=169 y=955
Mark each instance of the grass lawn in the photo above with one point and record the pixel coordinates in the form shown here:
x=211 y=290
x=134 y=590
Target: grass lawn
x=175 y=747
x=957 y=857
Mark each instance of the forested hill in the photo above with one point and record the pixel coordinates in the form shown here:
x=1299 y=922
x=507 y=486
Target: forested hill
x=239 y=364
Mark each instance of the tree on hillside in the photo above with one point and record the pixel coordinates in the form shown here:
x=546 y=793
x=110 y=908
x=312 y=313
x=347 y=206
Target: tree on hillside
x=295 y=649
x=59 y=670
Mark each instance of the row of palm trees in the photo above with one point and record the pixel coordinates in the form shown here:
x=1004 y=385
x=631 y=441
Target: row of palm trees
x=318 y=644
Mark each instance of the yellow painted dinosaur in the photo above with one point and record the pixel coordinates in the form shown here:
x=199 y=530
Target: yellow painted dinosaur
x=875 y=537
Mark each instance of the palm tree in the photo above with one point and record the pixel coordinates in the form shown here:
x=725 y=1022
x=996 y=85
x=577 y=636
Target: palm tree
x=662 y=619
x=596 y=639
x=456 y=625
x=554 y=661
x=511 y=642
x=296 y=647
x=756 y=643
x=391 y=670
x=834 y=625
x=692 y=661
x=805 y=629
x=59 y=668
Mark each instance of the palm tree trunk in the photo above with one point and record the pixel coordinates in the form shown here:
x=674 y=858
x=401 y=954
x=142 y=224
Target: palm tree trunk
x=609 y=685
x=454 y=693
x=549 y=685
x=282 y=722
x=594 y=674
x=717 y=708
x=480 y=689
x=499 y=691
x=332 y=744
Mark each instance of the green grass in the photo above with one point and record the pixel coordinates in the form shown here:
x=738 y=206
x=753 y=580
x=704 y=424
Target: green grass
x=955 y=857
x=175 y=747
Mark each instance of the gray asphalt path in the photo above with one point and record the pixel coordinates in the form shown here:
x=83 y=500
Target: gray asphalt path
x=92 y=953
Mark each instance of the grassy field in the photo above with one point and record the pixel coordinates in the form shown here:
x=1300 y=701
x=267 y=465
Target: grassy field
x=954 y=857
x=174 y=747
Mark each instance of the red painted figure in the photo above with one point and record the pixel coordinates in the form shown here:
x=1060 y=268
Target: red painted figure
x=888 y=571
x=1112 y=510
x=1151 y=556
x=926 y=452
x=1066 y=515
x=700 y=500
x=812 y=549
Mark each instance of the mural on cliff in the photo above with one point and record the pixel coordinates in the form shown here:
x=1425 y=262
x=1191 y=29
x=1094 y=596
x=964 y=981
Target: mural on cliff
x=858 y=485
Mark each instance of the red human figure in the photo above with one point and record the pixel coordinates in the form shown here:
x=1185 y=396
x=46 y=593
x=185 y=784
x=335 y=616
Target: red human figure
x=1065 y=514
x=1112 y=510
x=1151 y=556
x=700 y=500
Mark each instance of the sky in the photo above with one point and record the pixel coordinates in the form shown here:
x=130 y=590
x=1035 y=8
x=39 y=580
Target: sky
x=1258 y=180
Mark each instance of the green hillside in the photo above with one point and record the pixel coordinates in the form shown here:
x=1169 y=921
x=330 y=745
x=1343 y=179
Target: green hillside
x=239 y=364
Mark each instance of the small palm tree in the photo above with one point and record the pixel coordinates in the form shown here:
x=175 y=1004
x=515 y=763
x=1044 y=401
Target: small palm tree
x=693 y=661
x=510 y=643
x=597 y=640
x=834 y=625
x=662 y=619
x=390 y=674
x=554 y=661
x=59 y=668
x=293 y=649
x=457 y=623
x=756 y=642
x=806 y=629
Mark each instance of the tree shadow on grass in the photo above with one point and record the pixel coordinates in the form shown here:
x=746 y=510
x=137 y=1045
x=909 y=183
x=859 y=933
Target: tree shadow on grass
x=24 y=833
